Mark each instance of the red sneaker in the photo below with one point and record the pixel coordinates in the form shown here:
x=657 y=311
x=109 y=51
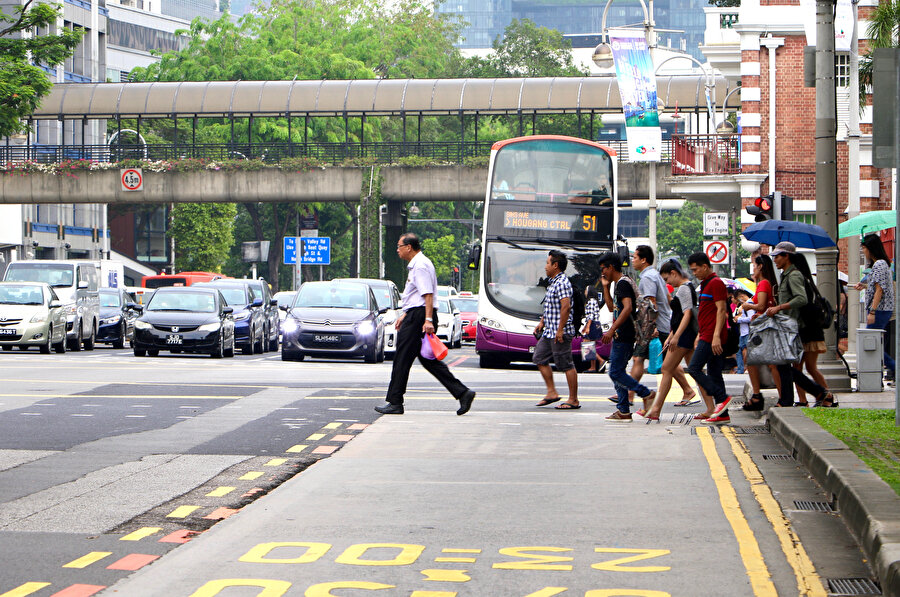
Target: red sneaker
x=722 y=405
x=717 y=419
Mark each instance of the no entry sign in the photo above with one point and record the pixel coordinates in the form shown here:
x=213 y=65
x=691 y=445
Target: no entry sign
x=716 y=250
x=132 y=179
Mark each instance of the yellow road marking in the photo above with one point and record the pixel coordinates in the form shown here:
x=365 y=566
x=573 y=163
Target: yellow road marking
x=332 y=426
x=808 y=581
x=460 y=550
x=315 y=437
x=676 y=394
x=457 y=560
x=251 y=476
x=142 y=396
x=220 y=491
x=760 y=579
x=88 y=559
x=182 y=511
x=28 y=588
x=141 y=533
x=296 y=449
x=276 y=462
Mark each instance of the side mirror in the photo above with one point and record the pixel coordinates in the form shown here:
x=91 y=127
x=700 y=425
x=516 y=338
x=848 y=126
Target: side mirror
x=55 y=304
x=257 y=302
x=227 y=310
x=284 y=308
x=138 y=308
x=273 y=302
x=82 y=284
x=474 y=257
x=130 y=305
x=383 y=311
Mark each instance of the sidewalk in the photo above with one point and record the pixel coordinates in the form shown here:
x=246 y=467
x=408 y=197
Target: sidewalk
x=868 y=506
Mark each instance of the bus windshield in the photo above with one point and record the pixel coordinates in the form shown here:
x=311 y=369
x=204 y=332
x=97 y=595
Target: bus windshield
x=553 y=171
x=516 y=281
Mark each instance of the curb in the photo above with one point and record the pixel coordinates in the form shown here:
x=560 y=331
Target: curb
x=868 y=505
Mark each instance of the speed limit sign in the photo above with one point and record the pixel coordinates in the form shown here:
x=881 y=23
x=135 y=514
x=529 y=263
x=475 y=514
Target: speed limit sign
x=132 y=179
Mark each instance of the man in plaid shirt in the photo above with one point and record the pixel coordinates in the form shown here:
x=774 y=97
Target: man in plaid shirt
x=556 y=331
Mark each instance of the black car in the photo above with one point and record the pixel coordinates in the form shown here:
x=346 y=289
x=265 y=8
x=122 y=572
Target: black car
x=185 y=319
x=272 y=329
x=250 y=325
x=117 y=315
x=333 y=319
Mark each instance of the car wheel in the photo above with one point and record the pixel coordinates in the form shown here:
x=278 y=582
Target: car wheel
x=120 y=341
x=153 y=352
x=75 y=345
x=7 y=347
x=273 y=344
x=229 y=352
x=219 y=350
x=90 y=342
x=372 y=355
x=45 y=348
x=381 y=354
x=60 y=346
x=247 y=349
x=140 y=352
x=260 y=346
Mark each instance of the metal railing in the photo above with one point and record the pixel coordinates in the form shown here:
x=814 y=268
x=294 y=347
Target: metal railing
x=705 y=154
x=327 y=153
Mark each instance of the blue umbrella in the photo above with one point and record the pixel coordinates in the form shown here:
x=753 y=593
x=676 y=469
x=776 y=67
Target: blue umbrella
x=772 y=232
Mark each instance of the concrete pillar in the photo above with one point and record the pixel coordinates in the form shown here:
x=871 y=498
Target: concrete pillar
x=394 y=227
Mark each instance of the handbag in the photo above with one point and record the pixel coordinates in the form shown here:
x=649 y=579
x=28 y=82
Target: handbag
x=437 y=347
x=654 y=367
x=588 y=350
x=773 y=341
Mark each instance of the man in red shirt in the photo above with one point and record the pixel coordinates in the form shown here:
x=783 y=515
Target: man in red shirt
x=708 y=349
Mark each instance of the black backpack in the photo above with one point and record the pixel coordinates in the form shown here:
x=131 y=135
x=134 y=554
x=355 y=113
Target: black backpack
x=577 y=305
x=817 y=311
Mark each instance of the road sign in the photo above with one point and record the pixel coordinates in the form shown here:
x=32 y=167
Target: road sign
x=315 y=251
x=290 y=250
x=716 y=250
x=132 y=179
x=715 y=223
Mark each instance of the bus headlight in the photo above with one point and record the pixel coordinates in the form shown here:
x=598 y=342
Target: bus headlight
x=491 y=323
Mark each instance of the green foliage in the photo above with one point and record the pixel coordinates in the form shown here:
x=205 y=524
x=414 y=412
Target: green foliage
x=680 y=233
x=443 y=255
x=299 y=164
x=203 y=233
x=416 y=161
x=871 y=434
x=478 y=161
x=22 y=84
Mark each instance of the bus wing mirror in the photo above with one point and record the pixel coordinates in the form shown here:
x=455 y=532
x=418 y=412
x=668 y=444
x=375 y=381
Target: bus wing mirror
x=624 y=256
x=474 y=257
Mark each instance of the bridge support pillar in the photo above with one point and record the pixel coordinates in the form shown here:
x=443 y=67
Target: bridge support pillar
x=394 y=226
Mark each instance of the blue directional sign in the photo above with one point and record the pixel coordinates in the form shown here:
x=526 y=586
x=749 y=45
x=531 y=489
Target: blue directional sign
x=290 y=250
x=315 y=250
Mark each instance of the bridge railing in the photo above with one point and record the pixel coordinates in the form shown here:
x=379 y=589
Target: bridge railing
x=705 y=154
x=328 y=153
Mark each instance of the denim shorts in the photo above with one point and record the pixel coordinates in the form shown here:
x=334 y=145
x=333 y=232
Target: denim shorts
x=548 y=349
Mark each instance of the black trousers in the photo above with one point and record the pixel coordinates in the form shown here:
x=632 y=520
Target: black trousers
x=409 y=342
x=789 y=376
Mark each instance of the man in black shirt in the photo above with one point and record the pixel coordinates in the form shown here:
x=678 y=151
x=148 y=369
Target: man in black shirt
x=621 y=334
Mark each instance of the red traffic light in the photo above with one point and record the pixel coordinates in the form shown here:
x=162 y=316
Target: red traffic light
x=763 y=203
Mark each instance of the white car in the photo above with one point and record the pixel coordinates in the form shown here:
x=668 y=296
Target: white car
x=445 y=292
x=449 y=327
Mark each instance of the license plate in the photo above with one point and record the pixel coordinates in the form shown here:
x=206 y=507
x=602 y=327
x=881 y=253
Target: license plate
x=328 y=338
x=8 y=332
x=173 y=339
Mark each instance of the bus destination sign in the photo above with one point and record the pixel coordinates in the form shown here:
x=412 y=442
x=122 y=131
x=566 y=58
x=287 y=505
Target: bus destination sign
x=549 y=222
x=592 y=224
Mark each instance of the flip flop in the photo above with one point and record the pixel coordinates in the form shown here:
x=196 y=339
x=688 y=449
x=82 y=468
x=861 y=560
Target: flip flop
x=568 y=406
x=547 y=401
x=688 y=403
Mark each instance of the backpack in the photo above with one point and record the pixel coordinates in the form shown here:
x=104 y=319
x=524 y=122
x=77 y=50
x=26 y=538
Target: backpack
x=577 y=305
x=817 y=311
x=692 y=308
x=643 y=315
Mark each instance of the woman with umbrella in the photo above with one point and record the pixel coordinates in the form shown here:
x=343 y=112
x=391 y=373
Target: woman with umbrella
x=879 y=292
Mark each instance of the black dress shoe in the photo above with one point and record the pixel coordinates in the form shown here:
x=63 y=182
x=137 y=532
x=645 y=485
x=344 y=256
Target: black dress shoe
x=390 y=409
x=465 y=402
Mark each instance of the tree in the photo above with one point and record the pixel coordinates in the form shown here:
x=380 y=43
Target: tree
x=22 y=84
x=680 y=233
x=203 y=233
x=883 y=32
x=443 y=255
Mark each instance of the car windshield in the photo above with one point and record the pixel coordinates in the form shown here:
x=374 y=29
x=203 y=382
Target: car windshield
x=338 y=296
x=382 y=297
x=285 y=299
x=443 y=307
x=200 y=302
x=468 y=305
x=21 y=295
x=235 y=296
x=110 y=299
x=54 y=274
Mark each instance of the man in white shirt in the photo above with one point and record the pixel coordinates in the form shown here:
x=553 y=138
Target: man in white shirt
x=419 y=317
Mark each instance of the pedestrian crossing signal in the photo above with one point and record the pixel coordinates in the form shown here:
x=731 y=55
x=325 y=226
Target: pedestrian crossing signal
x=763 y=208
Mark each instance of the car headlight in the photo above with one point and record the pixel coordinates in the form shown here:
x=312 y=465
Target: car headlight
x=289 y=325
x=241 y=315
x=366 y=327
x=39 y=317
x=210 y=327
x=111 y=320
x=141 y=325
x=70 y=309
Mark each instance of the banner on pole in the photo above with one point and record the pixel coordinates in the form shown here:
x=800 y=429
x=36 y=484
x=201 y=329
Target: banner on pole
x=637 y=87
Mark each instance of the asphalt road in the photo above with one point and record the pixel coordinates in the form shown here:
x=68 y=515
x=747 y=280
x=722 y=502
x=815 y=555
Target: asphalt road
x=108 y=461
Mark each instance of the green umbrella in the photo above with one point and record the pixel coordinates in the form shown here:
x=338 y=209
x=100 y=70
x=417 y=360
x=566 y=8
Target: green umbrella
x=871 y=221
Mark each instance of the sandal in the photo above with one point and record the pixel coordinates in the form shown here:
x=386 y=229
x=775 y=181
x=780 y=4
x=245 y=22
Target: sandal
x=804 y=404
x=827 y=401
x=702 y=416
x=756 y=403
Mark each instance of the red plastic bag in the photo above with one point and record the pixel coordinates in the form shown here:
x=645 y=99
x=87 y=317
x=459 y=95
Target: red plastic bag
x=437 y=347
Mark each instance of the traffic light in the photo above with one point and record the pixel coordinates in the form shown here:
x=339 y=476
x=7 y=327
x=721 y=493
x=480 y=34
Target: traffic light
x=455 y=277
x=763 y=208
x=787 y=208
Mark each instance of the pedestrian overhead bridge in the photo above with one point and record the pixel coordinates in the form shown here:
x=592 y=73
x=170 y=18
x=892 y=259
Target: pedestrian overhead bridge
x=526 y=99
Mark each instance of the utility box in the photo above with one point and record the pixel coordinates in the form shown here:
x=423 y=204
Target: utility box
x=869 y=359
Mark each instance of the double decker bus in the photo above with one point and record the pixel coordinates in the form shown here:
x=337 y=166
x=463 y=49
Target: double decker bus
x=179 y=279
x=544 y=192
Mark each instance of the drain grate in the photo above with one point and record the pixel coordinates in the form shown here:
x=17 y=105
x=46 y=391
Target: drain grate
x=781 y=457
x=841 y=587
x=758 y=429
x=809 y=506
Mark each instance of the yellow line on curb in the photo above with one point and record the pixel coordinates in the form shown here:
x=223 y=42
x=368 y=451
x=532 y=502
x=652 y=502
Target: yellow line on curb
x=86 y=560
x=26 y=589
x=140 y=534
x=182 y=511
x=760 y=579
x=251 y=476
x=808 y=581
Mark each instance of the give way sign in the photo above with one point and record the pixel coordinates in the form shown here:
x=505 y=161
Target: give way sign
x=716 y=250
